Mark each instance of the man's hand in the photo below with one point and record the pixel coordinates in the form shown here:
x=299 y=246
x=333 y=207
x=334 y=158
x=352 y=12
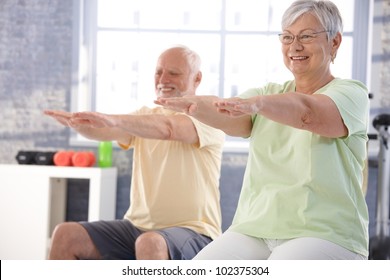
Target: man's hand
x=82 y=119
x=92 y=125
x=61 y=116
x=186 y=104
x=92 y=119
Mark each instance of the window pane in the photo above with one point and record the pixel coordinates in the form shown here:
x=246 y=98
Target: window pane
x=342 y=67
x=267 y=15
x=277 y=9
x=118 y=13
x=125 y=70
x=167 y=14
x=124 y=76
x=250 y=62
x=346 y=8
x=250 y=15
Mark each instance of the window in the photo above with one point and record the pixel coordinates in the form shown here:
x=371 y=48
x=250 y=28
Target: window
x=118 y=43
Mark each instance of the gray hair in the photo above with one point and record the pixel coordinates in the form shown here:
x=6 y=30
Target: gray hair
x=326 y=11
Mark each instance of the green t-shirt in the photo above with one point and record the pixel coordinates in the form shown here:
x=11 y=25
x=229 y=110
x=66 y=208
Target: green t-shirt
x=300 y=184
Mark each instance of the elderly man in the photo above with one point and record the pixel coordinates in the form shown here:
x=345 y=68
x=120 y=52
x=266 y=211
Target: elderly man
x=174 y=201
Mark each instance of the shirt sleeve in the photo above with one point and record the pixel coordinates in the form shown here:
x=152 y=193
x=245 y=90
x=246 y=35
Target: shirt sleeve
x=208 y=136
x=352 y=101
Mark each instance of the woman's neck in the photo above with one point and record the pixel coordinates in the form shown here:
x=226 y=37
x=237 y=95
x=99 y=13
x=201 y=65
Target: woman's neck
x=311 y=85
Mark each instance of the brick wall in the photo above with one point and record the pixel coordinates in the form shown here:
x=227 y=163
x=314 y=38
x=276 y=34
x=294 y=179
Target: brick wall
x=35 y=55
x=385 y=73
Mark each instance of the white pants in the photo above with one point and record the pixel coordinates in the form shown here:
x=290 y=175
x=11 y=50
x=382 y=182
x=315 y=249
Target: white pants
x=237 y=246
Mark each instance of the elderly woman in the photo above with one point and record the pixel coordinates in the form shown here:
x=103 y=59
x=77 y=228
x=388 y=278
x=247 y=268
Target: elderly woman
x=302 y=190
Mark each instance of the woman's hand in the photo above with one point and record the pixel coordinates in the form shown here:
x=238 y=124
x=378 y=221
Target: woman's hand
x=236 y=107
x=233 y=107
x=186 y=104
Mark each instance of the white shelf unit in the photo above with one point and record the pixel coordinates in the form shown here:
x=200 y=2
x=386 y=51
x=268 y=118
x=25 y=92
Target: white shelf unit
x=33 y=202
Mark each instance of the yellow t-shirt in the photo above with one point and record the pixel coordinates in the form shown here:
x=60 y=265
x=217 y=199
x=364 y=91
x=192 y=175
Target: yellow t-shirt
x=300 y=184
x=175 y=184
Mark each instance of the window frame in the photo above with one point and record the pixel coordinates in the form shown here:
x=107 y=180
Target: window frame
x=83 y=90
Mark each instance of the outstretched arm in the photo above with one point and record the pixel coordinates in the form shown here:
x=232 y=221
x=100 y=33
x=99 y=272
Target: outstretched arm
x=86 y=129
x=316 y=113
x=122 y=128
x=204 y=108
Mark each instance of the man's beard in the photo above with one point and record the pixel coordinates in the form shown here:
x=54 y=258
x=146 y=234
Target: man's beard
x=169 y=94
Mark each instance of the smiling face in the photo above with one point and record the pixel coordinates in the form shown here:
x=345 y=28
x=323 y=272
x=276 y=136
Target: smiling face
x=309 y=60
x=174 y=75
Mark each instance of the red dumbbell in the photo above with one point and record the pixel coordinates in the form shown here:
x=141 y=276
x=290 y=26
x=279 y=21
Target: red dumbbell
x=83 y=159
x=63 y=158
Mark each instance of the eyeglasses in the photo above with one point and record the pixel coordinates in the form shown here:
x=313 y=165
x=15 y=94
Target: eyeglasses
x=304 y=38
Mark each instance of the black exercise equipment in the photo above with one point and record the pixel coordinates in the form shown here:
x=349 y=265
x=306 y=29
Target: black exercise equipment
x=44 y=158
x=26 y=157
x=35 y=157
x=380 y=244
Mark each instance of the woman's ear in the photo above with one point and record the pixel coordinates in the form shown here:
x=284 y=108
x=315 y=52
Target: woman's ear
x=336 y=41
